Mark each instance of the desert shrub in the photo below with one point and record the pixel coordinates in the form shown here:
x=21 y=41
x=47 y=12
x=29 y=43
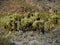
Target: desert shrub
x=4 y=41
x=4 y=38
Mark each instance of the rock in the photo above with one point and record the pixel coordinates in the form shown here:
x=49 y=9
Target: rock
x=49 y=40
x=31 y=38
x=12 y=44
x=34 y=42
x=30 y=33
x=25 y=41
x=58 y=40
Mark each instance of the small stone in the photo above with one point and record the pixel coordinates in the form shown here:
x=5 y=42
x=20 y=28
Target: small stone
x=12 y=43
x=34 y=42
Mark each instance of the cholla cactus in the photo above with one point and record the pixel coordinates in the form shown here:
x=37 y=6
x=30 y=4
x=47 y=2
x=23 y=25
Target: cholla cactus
x=55 y=19
x=31 y=21
x=35 y=24
x=48 y=26
x=38 y=24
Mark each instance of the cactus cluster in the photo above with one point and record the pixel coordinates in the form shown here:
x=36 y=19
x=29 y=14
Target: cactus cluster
x=31 y=21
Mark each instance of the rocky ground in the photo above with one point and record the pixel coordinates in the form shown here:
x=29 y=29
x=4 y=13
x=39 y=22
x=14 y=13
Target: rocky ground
x=35 y=38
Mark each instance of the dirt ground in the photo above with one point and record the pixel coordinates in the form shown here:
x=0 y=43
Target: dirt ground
x=35 y=38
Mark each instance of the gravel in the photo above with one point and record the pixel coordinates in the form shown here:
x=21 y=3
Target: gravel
x=33 y=38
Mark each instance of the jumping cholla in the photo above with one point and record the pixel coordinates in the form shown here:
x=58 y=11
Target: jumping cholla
x=30 y=21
